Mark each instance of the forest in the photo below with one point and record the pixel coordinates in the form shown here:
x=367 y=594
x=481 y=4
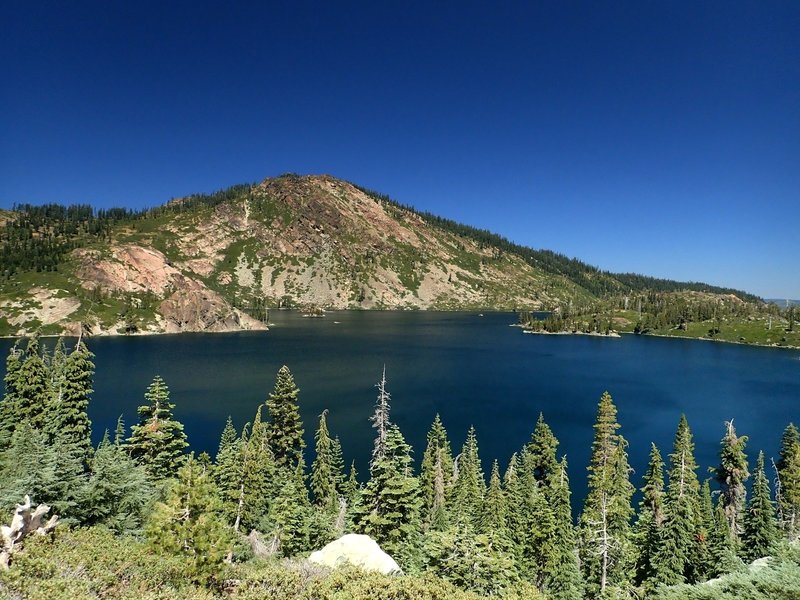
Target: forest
x=142 y=516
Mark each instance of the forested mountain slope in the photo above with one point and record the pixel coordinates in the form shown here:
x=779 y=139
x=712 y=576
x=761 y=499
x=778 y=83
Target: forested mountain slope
x=217 y=262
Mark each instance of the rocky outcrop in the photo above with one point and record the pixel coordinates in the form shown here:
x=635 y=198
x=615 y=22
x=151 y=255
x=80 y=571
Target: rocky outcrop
x=200 y=309
x=357 y=550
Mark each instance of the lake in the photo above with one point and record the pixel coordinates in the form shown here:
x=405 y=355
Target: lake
x=471 y=369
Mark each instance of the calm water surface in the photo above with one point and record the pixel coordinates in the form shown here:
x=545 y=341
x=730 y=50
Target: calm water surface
x=471 y=370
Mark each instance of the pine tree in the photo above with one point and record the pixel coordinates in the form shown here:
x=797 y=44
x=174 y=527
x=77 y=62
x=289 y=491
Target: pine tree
x=788 y=491
x=228 y=471
x=290 y=513
x=675 y=556
x=651 y=516
x=542 y=449
x=535 y=541
x=469 y=485
x=436 y=473
x=259 y=477
x=760 y=534
x=391 y=504
x=351 y=492
x=188 y=523
x=68 y=417
x=9 y=407
x=337 y=464
x=32 y=390
x=564 y=581
x=494 y=512
x=158 y=441
x=323 y=479
x=731 y=475
x=604 y=543
x=722 y=551
x=284 y=430
x=118 y=492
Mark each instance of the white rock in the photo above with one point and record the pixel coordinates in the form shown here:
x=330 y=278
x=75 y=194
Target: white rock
x=358 y=550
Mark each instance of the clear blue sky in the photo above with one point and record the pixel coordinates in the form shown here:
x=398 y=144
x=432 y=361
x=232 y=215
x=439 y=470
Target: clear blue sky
x=657 y=137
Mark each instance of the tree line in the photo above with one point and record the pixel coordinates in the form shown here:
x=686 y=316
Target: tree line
x=444 y=518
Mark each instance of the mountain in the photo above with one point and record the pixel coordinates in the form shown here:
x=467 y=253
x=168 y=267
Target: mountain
x=217 y=262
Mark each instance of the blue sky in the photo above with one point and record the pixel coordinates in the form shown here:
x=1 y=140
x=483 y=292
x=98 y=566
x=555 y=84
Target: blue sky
x=661 y=138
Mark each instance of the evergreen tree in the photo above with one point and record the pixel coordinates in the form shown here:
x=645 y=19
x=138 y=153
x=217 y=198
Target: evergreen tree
x=604 y=542
x=542 y=449
x=118 y=492
x=337 y=464
x=9 y=407
x=564 y=581
x=323 y=479
x=494 y=512
x=760 y=534
x=228 y=471
x=351 y=492
x=722 y=550
x=32 y=389
x=535 y=541
x=675 y=556
x=158 y=441
x=259 y=478
x=651 y=516
x=436 y=473
x=68 y=417
x=391 y=504
x=788 y=492
x=284 y=430
x=469 y=486
x=188 y=523
x=290 y=513
x=731 y=475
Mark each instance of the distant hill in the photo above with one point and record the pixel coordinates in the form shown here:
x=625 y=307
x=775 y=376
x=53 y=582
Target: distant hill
x=783 y=302
x=217 y=262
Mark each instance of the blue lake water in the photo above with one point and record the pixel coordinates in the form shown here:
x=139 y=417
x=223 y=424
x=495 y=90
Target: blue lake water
x=470 y=369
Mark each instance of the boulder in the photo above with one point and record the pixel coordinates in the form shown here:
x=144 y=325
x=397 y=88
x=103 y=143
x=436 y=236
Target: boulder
x=358 y=550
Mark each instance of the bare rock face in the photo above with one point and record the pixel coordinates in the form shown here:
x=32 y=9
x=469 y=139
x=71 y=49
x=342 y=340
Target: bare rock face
x=358 y=550
x=200 y=309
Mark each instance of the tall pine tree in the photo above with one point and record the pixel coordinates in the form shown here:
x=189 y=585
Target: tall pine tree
x=651 y=516
x=69 y=404
x=436 y=473
x=469 y=486
x=284 y=430
x=542 y=450
x=731 y=475
x=788 y=491
x=564 y=581
x=760 y=534
x=158 y=441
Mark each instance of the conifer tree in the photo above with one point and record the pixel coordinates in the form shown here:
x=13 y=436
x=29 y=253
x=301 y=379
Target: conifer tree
x=651 y=516
x=760 y=534
x=535 y=541
x=323 y=479
x=32 y=390
x=259 y=482
x=564 y=581
x=9 y=407
x=188 y=523
x=675 y=556
x=284 y=430
x=494 y=512
x=542 y=449
x=290 y=513
x=118 y=491
x=731 y=474
x=722 y=551
x=158 y=441
x=351 y=491
x=337 y=464
x=469 y=486
x=391 y=504
x=69 y=419
x=119 y=432
x=604 y=542
x=228 y=471
x=788 y=490
x=436 y=474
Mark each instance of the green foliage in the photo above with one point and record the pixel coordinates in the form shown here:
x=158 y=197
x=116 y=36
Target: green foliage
x=731 y=475
x=391 y=505
x=118 y=493
x=158 y=441
x=188 y=523
x=564 y=581
x=71 y=390
x=789 y=477
x=436 y=473
x=760 y=534
x=651 y=516
x=542 y=450
x=323 y=478
x=605 y=541
x=469 y=485
x=32 y=395
x=677 y=545
x=284 y=430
